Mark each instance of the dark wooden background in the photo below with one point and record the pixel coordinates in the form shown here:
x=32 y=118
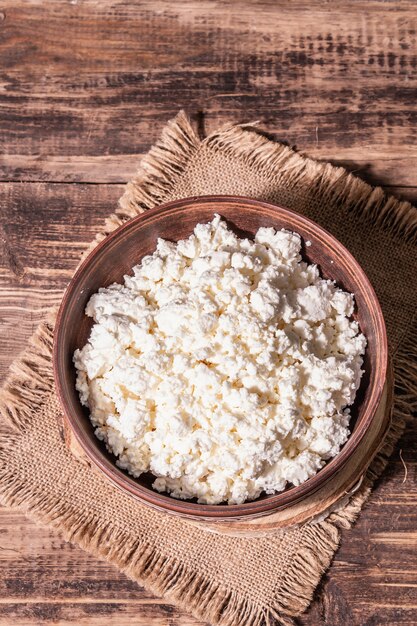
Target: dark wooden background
x=85 y=88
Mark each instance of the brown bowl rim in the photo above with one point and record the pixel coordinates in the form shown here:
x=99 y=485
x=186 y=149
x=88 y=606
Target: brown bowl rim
x=253 y=508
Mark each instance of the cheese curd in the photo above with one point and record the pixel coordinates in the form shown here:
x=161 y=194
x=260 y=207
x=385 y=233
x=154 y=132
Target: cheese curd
x=222 y=365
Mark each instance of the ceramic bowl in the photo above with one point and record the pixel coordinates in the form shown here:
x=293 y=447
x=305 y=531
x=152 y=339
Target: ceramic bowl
x=126 y=246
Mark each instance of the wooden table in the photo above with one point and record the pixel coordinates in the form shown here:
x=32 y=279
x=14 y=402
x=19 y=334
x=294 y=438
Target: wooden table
x=85 y=88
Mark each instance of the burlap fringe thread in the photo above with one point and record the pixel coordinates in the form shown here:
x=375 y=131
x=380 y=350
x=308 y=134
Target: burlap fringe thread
x=30 y=385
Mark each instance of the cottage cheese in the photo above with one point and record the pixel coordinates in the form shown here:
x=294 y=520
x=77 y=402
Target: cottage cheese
x=224 y=366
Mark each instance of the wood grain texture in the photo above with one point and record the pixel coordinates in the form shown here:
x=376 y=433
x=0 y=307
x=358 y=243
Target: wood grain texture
x=85 y=87
x=339 y=79
x=46 y=580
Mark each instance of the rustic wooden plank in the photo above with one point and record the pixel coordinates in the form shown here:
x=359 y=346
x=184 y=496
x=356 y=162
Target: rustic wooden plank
x=93 y=614
x=339 y=81
x=44 y=230
x=44 y=579
x=121 y=34
x=118 y=169
x=373 y=577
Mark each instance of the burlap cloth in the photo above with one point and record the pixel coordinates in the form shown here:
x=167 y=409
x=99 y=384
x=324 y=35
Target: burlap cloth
x=224 y=580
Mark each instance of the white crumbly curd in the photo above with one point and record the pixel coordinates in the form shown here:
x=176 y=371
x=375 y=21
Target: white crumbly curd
x=222 y=365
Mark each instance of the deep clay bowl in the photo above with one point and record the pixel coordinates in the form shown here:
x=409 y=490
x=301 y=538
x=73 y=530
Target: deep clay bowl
x=126 y=246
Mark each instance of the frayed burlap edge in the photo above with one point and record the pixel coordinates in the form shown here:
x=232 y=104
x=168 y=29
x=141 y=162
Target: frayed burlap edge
x=370 y=203
x=30 y=385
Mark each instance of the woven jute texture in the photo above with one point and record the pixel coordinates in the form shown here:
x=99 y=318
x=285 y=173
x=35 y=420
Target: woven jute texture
x=223 y=580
